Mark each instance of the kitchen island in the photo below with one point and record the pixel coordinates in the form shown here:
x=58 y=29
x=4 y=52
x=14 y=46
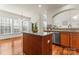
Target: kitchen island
x=37 y=43
x=26 y=43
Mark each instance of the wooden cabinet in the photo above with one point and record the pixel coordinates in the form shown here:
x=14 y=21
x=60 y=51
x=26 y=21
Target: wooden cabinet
x=64 y=38
x=74 y=40
x=36 y=44
x=11 y=46
x=27 y=44
x=70 y=39
x=17 y=45
x=6 y=47
x=32 y=44
x=47 y=44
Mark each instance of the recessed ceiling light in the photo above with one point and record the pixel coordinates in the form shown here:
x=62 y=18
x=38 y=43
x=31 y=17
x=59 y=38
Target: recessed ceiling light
x=39 y=6
x=75 y=17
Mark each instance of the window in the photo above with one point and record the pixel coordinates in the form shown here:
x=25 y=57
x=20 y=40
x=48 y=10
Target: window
x=10 y=25
x=0 y=25
x=5 y=25
x=16 y=25
x=26 y=26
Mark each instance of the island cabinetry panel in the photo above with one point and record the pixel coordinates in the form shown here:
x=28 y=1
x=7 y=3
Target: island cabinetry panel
x=32 y=44
x=64 y=39
x=36 y=44
x=6 y=47
x=47 y=44
x=27 y=44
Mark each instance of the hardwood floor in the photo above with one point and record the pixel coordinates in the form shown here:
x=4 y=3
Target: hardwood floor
x=57 y=50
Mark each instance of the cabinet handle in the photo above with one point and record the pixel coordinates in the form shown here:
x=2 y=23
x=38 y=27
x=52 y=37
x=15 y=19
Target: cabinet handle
x=48 y=41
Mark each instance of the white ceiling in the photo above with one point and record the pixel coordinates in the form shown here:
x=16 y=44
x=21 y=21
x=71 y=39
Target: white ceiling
x=35 y=6
x=29 y=9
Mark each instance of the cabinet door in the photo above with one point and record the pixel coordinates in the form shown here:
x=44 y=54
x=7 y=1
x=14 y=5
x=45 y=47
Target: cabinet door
x=50 y=44
x=6 y=47
x=36 y=45
x=64 y=39
x=47 y=45
x=27 y=44
x=74 y=40
x=32 y=44
x=18 y=46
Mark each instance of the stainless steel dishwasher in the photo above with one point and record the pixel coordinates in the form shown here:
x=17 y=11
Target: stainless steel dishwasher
x=56 y=38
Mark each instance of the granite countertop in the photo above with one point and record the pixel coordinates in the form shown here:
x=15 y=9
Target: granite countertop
x=63 y=30
x=39 y=33
x=46 y=32
x=6 y=36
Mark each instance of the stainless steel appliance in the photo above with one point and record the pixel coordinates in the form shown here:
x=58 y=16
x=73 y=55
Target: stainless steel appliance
x=56 y=38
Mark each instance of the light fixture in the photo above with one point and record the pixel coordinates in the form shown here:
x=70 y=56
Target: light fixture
x=39 y=6
x=75 y=17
